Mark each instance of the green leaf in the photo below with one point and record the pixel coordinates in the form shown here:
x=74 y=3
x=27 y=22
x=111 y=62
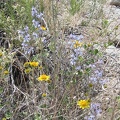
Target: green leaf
x=1 y=105
x=8 y=115
x=1 y=90
x=80 y=73
x=110 y=110
x=95 y=52
x=85 y=46
x=81 y=59
x=44 y=106
x=37 y=117
x=88 y=69
x=105 y=23
x=118 y=99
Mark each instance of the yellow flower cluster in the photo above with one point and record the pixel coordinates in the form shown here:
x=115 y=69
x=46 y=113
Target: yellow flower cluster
x=32 y=64
x=83 y=103
x=28 y=66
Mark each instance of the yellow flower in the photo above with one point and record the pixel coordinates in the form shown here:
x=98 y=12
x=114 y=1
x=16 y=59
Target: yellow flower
x=83 y=103
x=28 y=70
x=6 y=72
x=34 y=64
x=43 y=28
x=44 y=77
x=90 y=85
x=26 y=64
x=44 y=95
x=1 y=54
x=77 y=44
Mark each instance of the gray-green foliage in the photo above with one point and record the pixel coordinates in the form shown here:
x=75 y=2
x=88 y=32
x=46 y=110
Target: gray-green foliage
x=15 y=14
x=75 y=6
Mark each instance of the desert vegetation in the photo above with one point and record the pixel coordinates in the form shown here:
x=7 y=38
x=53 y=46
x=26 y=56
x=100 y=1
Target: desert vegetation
x=53 y=60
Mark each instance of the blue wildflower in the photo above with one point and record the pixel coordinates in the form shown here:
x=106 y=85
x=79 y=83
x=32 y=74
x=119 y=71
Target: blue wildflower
x=95 y=109
x=36 y=24
x=34 y=11
x=39 y=15
x=35 y=35
x=27 y=38
x=76 y=37
x=26 y=29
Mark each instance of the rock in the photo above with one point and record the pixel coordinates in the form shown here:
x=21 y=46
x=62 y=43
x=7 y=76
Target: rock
x=115 y=2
